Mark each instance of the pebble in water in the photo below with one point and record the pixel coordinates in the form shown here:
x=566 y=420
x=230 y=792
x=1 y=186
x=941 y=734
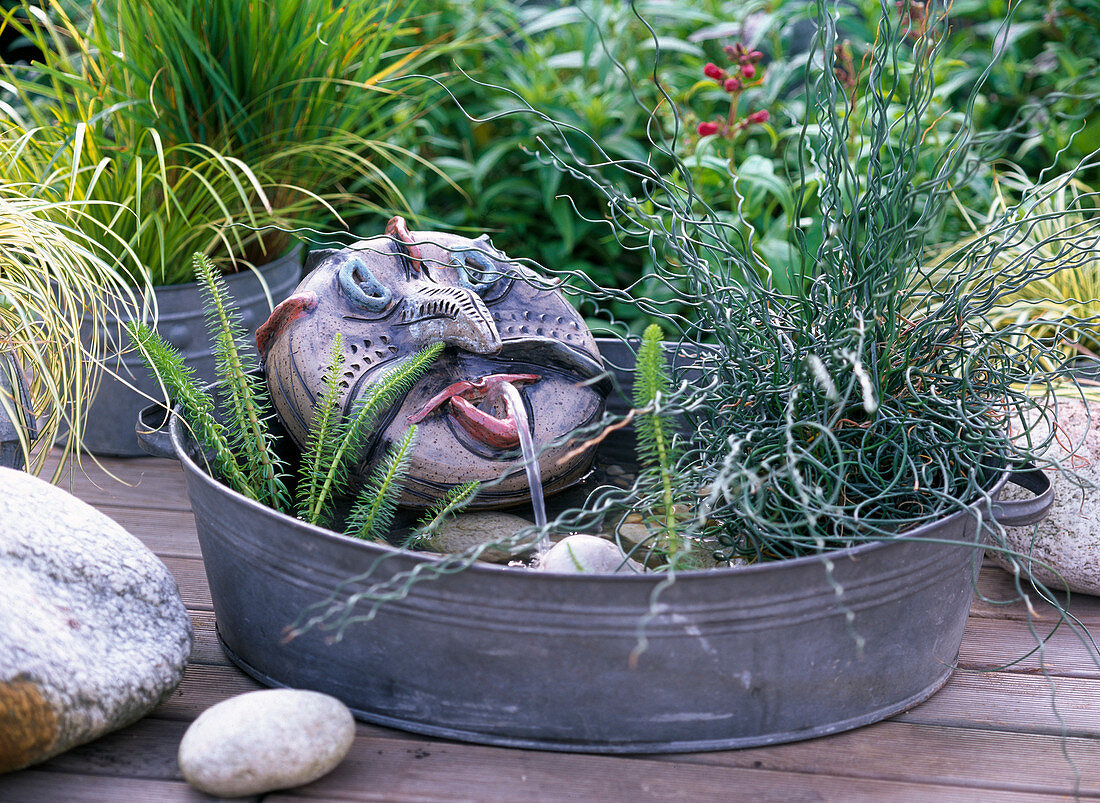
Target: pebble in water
x=586 y=554
x=466 y=531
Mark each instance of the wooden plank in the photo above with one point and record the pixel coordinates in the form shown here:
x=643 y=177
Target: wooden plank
x=995 y=586
x=1014 y=702
x=191 y=577
x=204 y=685
x=383 y=769
x=932 y=754
x=990 y=644
x=37 y=786
x=146 y=749
x=143 y=483
x=169 y=533
x=206 y=649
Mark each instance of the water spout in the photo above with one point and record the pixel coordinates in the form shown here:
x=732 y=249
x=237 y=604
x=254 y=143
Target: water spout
x=514 y=400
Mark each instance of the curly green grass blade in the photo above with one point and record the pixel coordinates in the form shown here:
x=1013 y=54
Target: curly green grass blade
x=245 y=396
x=372 y=515
x=351 y=435
x=198 y=406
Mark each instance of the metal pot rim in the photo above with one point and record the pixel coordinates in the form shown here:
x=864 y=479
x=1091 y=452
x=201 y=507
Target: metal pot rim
x=178 y=435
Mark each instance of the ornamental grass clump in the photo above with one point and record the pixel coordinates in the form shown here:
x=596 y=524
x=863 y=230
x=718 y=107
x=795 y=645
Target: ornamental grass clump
x=217 y=126
x=59 y=288
x=1062 y=306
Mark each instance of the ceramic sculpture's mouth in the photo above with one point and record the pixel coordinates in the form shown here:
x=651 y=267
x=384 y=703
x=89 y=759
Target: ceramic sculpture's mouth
x=481 y=408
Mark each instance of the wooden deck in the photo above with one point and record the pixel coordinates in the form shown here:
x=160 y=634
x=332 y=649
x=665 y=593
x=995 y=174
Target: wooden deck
x=1010 y=734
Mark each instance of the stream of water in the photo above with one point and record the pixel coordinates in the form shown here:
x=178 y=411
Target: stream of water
x=530 y=459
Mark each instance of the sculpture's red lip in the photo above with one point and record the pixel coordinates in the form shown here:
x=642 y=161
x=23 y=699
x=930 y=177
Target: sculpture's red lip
x=461 y=399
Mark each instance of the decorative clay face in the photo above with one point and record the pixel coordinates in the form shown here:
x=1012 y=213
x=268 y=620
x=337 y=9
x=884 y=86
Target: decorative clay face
x=395 y=295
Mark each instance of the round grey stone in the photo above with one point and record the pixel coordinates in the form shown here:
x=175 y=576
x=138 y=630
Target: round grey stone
x=1068 y=540
x=93 y=633
x=265 y=740
x=467 y=531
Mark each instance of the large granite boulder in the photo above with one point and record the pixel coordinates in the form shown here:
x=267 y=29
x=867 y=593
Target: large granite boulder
x=93 y=633
x=1068 y=540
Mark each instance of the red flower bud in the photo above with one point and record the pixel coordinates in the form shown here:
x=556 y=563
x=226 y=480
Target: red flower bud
x=758 y=117
x=712 y=70
x=730 y=51
x=708 y=128
x=732 y=85
x=748 y=70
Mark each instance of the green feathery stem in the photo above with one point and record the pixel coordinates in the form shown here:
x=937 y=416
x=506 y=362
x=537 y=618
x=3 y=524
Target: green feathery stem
x=373 y=512
x=320 y=450
x=651 y=386
x=245 y=394
x=349 y=436
x=197 y=404
x=454 y=501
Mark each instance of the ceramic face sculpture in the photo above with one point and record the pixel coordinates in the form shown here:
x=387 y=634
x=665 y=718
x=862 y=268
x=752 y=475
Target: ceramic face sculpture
x=395 y=295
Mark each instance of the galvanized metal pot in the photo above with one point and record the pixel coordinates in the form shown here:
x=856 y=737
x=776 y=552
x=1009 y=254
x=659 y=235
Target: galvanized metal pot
x=15 y=413
x=733 y=657
x=109 y=424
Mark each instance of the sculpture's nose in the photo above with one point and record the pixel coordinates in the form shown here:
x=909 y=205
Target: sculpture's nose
x=453 y=315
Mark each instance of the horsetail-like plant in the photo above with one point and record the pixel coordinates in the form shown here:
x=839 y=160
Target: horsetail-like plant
x=243 y=447
x=199 y=408
x=349 y=436
x=454 y=501
x=376 y=504
x=246 y=398
x=320 y=449
x=655 y=441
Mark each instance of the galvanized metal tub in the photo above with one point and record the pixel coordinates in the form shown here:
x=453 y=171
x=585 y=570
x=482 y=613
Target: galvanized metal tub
x=732 y=657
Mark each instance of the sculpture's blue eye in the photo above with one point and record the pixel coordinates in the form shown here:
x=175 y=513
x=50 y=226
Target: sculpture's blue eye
x=361 y=287
x=481 y=273
x=475 y=271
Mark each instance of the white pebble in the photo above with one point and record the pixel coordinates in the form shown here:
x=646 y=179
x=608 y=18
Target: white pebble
x=265 y=740
x=586 y=554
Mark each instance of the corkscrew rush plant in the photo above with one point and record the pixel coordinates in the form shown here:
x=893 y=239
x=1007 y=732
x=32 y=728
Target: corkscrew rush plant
x=870 y=398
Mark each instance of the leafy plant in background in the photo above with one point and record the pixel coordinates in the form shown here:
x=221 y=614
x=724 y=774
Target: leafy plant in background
x=52 y=277
x=584 y=64
x=236 y=430
x=1046 y=87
